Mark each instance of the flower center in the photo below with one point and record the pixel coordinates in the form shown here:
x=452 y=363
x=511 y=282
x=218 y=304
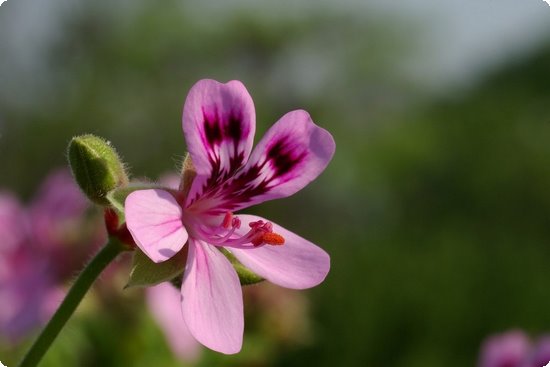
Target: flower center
x=260 y=233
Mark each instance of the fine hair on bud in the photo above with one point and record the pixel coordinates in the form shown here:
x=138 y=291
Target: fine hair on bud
x=96 y=167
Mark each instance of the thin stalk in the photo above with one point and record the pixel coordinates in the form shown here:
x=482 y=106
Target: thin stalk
x=80 y=287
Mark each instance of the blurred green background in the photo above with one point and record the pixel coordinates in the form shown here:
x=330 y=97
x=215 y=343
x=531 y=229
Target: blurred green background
x=435 y=209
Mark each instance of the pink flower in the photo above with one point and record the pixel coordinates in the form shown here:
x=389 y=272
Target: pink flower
x=541 y=353
x=27 y=289
x=57 y=211
x=219 y=125
x=164 y=302
x=40 y=248
x=59 y=227
x=29 y=294
x=13 y=225
x=505 y=350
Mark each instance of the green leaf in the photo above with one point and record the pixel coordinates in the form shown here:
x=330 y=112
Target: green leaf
x=146 y=273
x=96 y=167
x=246 y=276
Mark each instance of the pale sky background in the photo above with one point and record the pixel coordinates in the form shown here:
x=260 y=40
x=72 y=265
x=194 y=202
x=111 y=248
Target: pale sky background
x=457 y=40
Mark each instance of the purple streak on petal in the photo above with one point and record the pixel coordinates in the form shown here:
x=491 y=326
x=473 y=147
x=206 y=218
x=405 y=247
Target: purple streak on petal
x=212 y=301
x=153 y=218
x=165 y=304
x=218 y=123
x=298 y=264
x=505 y=350
x=291 y=155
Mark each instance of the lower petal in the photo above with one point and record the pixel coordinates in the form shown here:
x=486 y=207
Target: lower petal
x=297 y=264
x=212 y=301
x=153 y=218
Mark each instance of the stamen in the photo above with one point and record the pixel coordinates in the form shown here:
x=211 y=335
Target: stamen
x=227 y=220
x=256 y=224
x=261 y=233
x=236 y=222
x=274 y=239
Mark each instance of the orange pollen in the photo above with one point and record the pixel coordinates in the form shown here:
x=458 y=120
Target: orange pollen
x=273 y=239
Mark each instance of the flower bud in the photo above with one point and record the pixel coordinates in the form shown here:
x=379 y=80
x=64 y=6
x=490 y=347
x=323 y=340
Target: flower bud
x=96 y=167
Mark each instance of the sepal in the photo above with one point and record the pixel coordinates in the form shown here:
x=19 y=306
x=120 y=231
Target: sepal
x=246 y=277
x=146 y=273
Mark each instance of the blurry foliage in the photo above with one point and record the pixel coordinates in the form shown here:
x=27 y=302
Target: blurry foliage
x=435 y=211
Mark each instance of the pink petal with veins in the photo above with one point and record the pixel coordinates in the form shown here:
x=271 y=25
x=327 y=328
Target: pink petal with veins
x=291 y=155
x=212 y=300
x=153 y=218
x=218 y=123
x=297 y=264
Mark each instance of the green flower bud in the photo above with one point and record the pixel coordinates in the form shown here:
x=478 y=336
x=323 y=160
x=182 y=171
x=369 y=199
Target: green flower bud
x=96 y=167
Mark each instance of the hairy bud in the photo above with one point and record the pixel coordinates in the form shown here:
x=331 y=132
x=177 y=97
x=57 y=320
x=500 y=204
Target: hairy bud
x=96 y=167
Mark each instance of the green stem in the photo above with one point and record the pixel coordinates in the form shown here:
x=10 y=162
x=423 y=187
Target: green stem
x=71 y=301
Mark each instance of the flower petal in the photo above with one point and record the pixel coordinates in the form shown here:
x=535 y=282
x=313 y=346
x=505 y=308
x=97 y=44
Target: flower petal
x=298 y=264
x=218 y=123
x=13 y=224
x=212 y=301
x=153 y=218
x=164 y=301
x=290 y=155
x=507 y=349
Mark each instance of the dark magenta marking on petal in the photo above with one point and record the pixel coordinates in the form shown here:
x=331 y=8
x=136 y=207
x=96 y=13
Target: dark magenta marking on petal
x=231 y=187
x=233 y=128
x=284 y=156
x=216 y=132
x=212 y=130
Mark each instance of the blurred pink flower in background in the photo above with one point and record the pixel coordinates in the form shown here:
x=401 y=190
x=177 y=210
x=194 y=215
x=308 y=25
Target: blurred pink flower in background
x=59 y=224
x=514 y=349
x=41 y=246
x=540 y=356
x=12 y=222
x=164 y=302
x=279 y=314
x=505 y=350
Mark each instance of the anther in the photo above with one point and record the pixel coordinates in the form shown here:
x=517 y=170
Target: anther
x=236 y=223
x=264 y=235
x=272 y=238
x=228 y=220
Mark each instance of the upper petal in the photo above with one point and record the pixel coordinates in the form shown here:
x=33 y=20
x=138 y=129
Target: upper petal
x=153 y=218
x=290 y=155
x=218 y=123
x=212 y=301
x=297 y=264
